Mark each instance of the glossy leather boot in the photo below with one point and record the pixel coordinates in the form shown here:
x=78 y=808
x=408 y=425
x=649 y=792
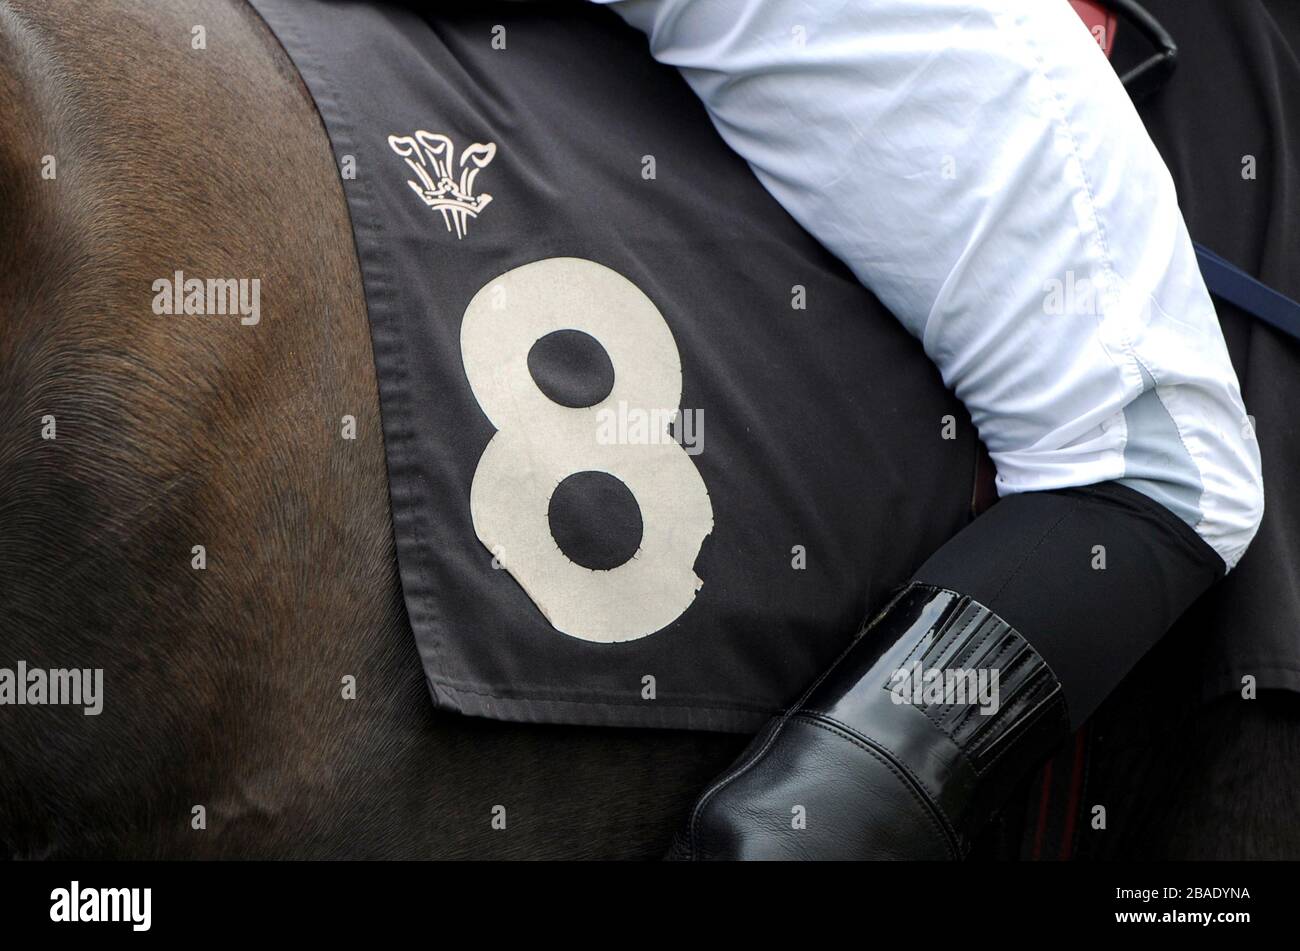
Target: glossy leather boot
x=876 y=761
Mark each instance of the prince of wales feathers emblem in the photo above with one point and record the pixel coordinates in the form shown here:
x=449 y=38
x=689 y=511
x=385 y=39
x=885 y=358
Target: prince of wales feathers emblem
x=432 y=158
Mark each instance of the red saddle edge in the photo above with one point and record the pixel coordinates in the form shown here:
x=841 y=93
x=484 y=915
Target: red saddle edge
x=1100 y=22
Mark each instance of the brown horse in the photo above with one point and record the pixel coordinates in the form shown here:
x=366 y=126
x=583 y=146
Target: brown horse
x=179 y=508
x=227 y=681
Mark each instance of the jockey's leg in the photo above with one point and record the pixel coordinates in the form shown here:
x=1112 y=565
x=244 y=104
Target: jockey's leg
x=1010 y=634
x=980 y=167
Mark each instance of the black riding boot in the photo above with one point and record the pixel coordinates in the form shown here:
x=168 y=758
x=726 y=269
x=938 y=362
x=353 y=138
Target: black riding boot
x=885 y=758
x=873 y=763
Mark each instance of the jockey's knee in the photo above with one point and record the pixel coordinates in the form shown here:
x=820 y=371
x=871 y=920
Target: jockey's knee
x=1178 y=435
x=1198 y=457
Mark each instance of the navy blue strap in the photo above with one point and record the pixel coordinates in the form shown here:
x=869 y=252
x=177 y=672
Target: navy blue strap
x=1226 y=280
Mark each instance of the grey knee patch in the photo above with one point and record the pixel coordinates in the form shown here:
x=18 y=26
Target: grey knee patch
x=1156 y=463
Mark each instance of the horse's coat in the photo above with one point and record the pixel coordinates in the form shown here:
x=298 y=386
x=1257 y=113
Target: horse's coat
x=560 y=255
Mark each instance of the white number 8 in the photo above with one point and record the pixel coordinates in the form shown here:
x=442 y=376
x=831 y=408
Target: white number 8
x=539 y=443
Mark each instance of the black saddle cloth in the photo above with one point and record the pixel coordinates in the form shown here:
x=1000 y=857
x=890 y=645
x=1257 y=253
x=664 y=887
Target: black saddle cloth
x=564 y=566
x=822 y=450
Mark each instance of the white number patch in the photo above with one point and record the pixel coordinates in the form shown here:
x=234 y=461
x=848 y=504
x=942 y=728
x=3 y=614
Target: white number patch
x=539 y=443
